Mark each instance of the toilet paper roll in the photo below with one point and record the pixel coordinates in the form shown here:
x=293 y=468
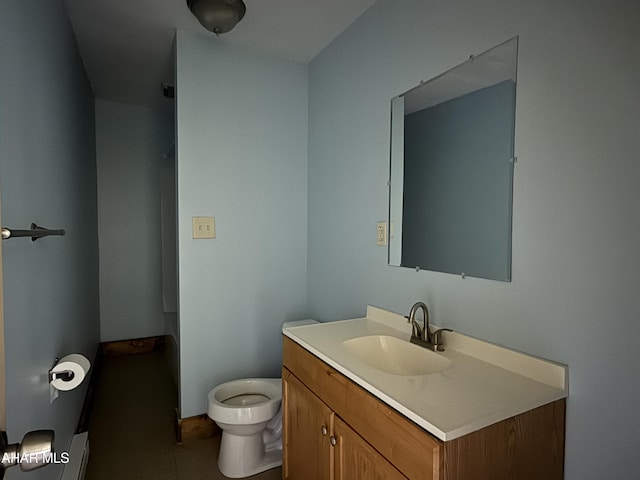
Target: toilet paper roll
x=75 y=366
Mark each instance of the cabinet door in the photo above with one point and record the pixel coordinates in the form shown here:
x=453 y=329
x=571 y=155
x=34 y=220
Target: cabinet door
x=355 y=458
x=307 y=423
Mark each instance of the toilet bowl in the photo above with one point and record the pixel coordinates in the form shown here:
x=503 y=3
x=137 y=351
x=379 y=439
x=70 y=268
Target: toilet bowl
x=248 y=412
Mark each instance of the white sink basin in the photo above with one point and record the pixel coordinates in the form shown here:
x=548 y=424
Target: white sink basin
x=395 y=356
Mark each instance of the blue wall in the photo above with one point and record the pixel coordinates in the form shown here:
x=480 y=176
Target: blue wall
x=47 y=176
x=130 y=143
x=574 y=291
x=241 y=150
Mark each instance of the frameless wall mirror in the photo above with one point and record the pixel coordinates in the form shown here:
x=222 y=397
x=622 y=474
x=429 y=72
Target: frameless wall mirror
x=451 y=175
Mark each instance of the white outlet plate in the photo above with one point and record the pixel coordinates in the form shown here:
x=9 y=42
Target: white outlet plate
x=204 y=227
x=381 y=234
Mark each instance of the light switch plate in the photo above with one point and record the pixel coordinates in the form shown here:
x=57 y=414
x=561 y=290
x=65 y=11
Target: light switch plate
x=381 y=232
x=204 y=227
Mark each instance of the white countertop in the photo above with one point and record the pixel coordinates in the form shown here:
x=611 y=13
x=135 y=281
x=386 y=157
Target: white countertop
x=485 y=383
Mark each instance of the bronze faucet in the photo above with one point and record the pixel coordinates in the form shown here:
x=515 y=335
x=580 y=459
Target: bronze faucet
x=422 y=335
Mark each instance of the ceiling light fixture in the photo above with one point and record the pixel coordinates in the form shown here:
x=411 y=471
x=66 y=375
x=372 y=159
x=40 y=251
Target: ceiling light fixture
x=218 y=16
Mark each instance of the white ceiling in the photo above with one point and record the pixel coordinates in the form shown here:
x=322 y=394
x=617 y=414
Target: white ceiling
x=126 y=45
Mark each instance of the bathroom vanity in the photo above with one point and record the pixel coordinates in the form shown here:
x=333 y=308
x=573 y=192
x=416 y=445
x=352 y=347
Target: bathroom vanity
x=359 y=405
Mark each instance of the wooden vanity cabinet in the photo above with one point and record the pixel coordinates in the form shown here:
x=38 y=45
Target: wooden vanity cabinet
x=335 y=430
x=306 y=428
x=370 y=438
x=354 y=458
x=320 y=446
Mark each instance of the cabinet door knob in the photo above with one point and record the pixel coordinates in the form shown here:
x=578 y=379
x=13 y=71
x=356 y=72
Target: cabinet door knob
x=333 y=441
x=324 y=430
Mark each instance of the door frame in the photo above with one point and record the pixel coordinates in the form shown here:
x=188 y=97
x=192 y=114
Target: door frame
x=3 y=405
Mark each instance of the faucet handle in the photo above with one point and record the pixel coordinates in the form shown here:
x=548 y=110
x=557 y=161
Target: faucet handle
x=437 y=340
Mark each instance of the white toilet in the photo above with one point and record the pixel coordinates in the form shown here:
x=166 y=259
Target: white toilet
x=248 y=412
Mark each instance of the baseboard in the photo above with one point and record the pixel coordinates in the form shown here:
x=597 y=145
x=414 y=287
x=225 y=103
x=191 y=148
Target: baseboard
x=198 y=427
x=90 y=395
x=133 y=346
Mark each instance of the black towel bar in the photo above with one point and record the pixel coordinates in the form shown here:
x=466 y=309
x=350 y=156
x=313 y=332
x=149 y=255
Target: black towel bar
x=35 y=233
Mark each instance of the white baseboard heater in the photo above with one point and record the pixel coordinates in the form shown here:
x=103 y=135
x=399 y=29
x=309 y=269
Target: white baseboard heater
x=78 y=458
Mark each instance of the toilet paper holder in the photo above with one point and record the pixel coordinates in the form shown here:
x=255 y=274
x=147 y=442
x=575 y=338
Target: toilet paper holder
x=65 y=376
x=67 y=373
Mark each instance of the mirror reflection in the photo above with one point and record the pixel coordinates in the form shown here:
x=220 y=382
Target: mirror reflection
x=452 y=154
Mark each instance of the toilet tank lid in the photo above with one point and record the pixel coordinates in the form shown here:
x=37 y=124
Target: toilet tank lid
x=299 y=323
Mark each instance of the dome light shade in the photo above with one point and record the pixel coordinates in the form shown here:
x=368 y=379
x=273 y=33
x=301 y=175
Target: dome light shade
x=218 y=16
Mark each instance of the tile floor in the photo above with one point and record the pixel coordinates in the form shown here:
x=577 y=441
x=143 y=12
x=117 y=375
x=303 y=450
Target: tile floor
x=131 y=432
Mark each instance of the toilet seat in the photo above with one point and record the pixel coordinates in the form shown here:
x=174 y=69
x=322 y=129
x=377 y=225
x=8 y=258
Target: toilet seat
x=245 y=401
